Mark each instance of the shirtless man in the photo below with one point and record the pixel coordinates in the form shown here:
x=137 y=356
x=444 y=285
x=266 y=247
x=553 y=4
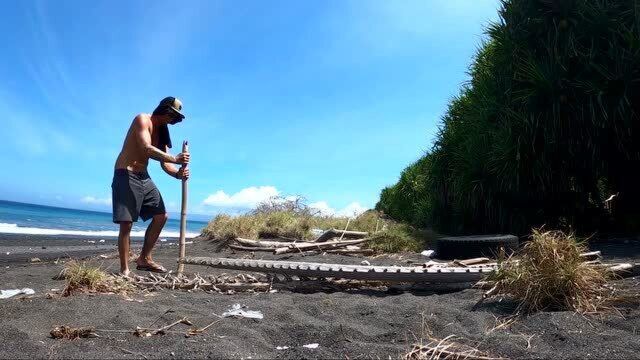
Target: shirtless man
x=134 y=193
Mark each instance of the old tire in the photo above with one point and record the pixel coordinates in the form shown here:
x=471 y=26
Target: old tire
x=466 y=247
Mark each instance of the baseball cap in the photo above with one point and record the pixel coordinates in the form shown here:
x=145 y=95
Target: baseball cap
x=173 y=104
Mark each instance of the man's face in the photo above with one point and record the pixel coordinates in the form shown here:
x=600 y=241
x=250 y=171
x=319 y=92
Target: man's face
x=174 y=118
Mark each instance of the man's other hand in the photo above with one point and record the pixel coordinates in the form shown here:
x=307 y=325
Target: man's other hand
x=182 y=158
x=183 y=174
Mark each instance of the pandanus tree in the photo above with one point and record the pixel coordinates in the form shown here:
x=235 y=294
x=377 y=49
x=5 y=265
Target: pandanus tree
x=545 y=129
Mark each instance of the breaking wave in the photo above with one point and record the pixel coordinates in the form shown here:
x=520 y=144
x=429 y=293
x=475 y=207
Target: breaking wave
x=15 y=229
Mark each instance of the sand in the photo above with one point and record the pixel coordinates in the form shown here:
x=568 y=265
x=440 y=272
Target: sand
x=345 y=324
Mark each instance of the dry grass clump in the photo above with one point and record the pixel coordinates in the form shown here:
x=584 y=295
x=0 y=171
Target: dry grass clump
x=82 y=277
x=447 y=348
x=549 y=274
x=292 y=219
x=71 y=333
x=451 y=347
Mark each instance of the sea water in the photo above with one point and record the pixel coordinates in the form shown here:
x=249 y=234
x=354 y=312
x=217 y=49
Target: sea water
x=22 y=218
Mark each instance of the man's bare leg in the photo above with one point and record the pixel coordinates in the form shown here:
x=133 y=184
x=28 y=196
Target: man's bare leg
x=150 y=239
x=124 y=237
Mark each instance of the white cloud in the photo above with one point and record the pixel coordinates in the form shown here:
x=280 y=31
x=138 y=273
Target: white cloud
x=323 y=208
x=96 y=201
x=352 y=210
x=247 y=197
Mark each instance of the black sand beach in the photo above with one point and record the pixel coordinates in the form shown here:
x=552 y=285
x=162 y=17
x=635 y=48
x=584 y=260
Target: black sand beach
x=345 y=324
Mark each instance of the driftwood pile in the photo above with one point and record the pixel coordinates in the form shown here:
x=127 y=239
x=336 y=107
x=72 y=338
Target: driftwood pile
x=223 y=283
x=331 y=241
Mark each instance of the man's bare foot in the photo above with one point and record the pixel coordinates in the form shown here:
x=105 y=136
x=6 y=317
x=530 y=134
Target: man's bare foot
x=124 y=273
x=149 y=265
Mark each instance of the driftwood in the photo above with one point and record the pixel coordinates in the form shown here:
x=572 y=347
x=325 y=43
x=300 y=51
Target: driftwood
x=144 y=332
x=624 y=269
x=474 y=261
x=351 y=251
x=592 y=255
x=267 y=243
x=317 y=246
x=221 y=283
x=251 y=248
x=332 y=233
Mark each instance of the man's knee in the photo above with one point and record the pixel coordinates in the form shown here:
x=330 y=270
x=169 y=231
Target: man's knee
x=126 y=226
x=161 y=217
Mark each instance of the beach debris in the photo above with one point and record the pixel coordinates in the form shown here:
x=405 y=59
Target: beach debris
x=298 y=247
x=446 y=348
x=71 y=333
x=428 y=253
x=333 y=233
x=196 y=331
x=365 y=262
x=103 y=256
x=91 y=241
x=163 y=240
x=311 y=346
x=35 y=260
x=282 y=347
x=5 y=294
x=8 y=252
x=145 y=332
x=101 y=240
x=237 y=311
x=220 y=283
x=443 y=274
x=591 y=255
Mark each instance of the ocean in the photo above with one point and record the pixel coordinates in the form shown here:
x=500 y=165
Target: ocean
x=22 y=218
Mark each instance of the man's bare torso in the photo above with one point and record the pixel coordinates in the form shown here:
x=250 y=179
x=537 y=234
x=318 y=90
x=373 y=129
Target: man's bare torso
x=133 y=156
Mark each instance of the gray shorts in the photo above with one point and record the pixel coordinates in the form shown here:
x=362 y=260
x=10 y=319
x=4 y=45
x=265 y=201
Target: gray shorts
x=134 y=194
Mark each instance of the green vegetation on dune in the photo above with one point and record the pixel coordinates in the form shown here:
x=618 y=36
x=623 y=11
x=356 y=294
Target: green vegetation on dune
x=543 y=133
x=292 y=219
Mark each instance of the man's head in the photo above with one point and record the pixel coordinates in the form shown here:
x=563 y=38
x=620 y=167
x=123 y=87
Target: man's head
x=170 y=108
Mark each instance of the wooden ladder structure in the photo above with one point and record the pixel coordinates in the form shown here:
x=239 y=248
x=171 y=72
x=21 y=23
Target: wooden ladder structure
x=443 y=274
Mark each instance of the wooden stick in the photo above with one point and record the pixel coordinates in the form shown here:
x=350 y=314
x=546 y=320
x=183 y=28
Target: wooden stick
x=183 y=212
x=345 y=229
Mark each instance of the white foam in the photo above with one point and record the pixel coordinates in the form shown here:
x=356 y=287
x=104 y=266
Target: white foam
x=15 y=229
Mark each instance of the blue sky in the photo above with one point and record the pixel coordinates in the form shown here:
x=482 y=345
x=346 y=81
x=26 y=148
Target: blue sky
x=325 y=99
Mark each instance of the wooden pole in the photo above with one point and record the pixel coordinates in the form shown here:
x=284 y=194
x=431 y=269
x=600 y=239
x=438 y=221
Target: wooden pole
x=183 y=212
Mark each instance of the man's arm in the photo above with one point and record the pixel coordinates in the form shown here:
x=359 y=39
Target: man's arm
x=144 y=139
x=178 y=173
x=169 y=168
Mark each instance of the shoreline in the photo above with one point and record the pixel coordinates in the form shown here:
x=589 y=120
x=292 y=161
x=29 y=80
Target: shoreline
x=20 y=249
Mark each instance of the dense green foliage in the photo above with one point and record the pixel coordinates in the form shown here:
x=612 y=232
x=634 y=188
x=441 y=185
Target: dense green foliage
x=545 y=130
